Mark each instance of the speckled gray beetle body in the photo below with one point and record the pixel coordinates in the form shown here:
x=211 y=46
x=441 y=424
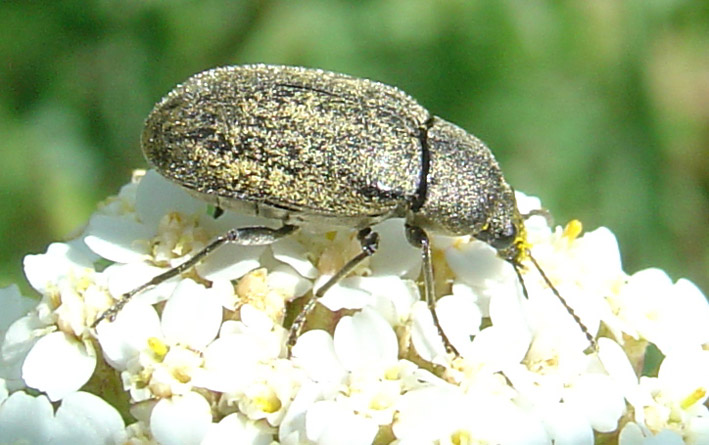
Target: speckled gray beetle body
x=305 y=145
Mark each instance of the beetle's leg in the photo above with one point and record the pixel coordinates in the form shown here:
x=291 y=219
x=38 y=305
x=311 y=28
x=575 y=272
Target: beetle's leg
x=248 y=236
x=541 y=212
x=370 y=242
x=417 y=237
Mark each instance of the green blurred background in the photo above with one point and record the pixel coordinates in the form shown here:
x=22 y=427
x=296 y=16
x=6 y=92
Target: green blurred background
x=599 y=107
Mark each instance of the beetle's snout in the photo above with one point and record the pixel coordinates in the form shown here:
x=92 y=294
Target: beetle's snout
x=505 y=238
x=508 y=239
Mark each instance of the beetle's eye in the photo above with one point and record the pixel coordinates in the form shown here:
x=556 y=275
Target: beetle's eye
x=505 y=238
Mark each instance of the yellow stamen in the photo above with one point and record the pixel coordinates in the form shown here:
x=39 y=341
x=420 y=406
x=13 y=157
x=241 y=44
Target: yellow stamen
x=573 y=229
x=158 y=347
x=380 y=402
x=461 y=437
x=697 y=395
x=268 y=402
x=392 y=373
x=181 y=375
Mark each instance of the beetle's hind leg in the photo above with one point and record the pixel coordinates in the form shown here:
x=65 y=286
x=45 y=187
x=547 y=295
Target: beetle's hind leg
x=417 y=237
x=370 y=243
x=247 y=236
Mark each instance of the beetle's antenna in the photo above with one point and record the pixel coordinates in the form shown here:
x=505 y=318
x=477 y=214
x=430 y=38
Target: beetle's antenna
x=521 y=280
x=569 y=309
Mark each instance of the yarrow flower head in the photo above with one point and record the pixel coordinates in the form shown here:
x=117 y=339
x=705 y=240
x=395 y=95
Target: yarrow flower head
x=202 y=358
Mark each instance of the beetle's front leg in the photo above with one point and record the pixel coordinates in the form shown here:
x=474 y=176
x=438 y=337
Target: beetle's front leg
x=417 y=237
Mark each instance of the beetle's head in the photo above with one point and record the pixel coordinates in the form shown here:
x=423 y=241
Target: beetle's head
x=505 y=230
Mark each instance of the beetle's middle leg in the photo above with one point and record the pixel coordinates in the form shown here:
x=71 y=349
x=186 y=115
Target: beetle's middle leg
x=417 y=237
x=247 y=236
x=370 y=243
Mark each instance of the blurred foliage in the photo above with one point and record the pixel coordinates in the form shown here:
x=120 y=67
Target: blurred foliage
x=599 y=107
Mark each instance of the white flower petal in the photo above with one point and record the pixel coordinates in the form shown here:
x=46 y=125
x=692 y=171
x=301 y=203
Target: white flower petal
x=58 y=365
x=631 y=434
x=124 y=338
x=18 y=340
x=618 y=366
x=647 y=307
x=692 y=309
x=505 y=307
x=315 y=352
x=118 y=238
x=236 y=428
x=192 y=315
x=14 y=305
x=395 y=255
x=601 y=244
x=292 y=428
x=666 y=437
x=528 y=428
x=598 y=399
x=59 y=260
x=4 y=392
x=256 y=320
x=698 y=430
x=229 y=364
x=124 y=278
x=291 y=252
x=476 y=263
x=329 y=423
x=26 y=419
x=230 y=262
x=424 y=335
x=526 y=203
x=460 y=319
x=425 y=414
x=685 y=373
x=567 y=426
x=283 y=278
x=181 y=420
x=344 y=295
x=157 y=196
x=365 y=341
x=391 y=297
x=86 y=418
x=498 y=347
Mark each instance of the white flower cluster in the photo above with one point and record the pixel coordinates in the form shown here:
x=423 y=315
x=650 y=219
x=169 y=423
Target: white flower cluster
x=202 y=359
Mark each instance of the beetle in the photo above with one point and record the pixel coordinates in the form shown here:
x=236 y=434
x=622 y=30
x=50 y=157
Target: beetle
x=310 y=146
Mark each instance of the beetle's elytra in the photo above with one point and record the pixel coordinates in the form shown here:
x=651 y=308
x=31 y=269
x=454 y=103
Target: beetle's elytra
x=305 y=145
x=302 y=144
